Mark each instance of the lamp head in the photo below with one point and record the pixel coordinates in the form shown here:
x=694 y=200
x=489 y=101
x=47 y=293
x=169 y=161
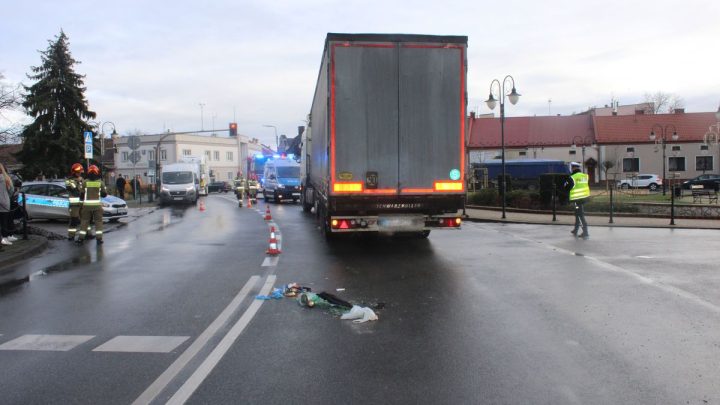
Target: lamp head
x=513 y=96
x=675 y=136
x=652 y=136
x=491 y=102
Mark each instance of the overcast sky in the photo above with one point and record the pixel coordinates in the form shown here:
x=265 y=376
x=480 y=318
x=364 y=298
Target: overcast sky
x=149 y=64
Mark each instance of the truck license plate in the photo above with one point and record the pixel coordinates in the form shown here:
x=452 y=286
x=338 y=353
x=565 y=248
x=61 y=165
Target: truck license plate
x=401 y=223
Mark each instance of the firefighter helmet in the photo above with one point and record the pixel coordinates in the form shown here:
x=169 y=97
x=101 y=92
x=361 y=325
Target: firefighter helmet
x=93 y=170
x=77 y=168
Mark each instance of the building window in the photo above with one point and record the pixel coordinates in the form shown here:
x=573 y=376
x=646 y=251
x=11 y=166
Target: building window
x=676 y=164
x=703 y=147
x=208 y=156
x=216 y=155
x=163 y=154
x=229 y=175
x=124 y=156
x=631 y=165
x=151 y=155
x=229 y=156
x=703 y=163
x=573 y=152
x=186 y=152
x=676 y=149
x=630 y=149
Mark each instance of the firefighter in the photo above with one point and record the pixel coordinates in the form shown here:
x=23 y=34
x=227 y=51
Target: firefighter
x=92 y=209
x=240 y=185
x=252 y=188
x=579 y=194
x=74 y=186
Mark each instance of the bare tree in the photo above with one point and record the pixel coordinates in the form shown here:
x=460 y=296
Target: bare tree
x=9 y=100
x=663 y=102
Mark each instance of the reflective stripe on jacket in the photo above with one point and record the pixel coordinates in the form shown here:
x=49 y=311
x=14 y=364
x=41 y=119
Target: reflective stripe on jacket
x=581 y=188
x=93 y=190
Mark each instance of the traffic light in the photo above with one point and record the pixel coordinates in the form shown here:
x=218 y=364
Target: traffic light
x=233 y=129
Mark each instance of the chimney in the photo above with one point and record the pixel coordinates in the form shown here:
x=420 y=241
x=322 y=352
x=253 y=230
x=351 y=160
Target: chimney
x=614 y=113
x=301 y=129
x=679 y=111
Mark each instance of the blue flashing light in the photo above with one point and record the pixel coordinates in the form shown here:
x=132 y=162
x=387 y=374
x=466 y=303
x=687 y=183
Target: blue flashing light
x=291 y=156
x=259 y=156
x=276 y=156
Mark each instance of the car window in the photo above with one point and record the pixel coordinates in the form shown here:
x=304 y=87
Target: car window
x=644 y=177
x=34 y=189
x=56 y=191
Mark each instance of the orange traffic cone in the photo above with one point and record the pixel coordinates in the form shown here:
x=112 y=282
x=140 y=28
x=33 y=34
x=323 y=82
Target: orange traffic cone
x=249 y=202
x=268 y=217
x=273 y=247
x=202 y=205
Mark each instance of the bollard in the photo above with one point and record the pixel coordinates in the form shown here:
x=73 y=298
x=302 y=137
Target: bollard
x=611 y=206
x=554 y=198
x=672 y=204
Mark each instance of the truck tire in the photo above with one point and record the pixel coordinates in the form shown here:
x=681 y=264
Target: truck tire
x=303 y=201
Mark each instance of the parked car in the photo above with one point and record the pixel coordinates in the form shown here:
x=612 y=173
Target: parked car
x=49 y=200
x=219 y=187
x=707 y=181
x=650 y=181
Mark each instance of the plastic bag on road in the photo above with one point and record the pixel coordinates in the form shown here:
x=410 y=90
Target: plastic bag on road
x=360 y=314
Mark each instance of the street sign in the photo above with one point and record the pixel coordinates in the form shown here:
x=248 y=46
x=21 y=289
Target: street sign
x=134 y=157
x=88 y=136
x=134 y=142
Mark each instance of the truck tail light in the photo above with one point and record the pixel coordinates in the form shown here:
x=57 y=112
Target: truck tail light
x=348 y=223
x=354 y=187
x=448 y=186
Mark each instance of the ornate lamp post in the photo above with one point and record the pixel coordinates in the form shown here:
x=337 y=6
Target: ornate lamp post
x=583 y=142
x=513 y=96
x=663 y=141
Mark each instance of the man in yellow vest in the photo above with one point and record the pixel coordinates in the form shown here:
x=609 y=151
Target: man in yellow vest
x=579 y=193
x=92 y=205
x=74 y=186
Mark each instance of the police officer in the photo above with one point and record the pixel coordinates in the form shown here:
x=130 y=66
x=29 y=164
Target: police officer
x=92 y=205
x=74 y=186
x=579 y=194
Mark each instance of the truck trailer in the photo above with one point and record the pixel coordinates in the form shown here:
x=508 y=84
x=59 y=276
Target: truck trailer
x=384 y=150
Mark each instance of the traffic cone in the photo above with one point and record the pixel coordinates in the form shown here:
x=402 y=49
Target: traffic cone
x=273 y=247
x=249 y=202
x=202 y=205
x=268 y=217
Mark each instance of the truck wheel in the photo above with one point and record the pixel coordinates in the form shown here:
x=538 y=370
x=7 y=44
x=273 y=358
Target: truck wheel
x=625 y=186
x=303 y=201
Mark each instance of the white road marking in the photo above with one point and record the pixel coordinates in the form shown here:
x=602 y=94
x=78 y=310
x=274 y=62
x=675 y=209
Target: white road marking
x=161 y=382
x=645 y=280
x=187 y=389
x=56 y=343
x=142 y=344
x=270 y=261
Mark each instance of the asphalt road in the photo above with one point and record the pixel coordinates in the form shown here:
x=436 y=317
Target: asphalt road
x=165 y=311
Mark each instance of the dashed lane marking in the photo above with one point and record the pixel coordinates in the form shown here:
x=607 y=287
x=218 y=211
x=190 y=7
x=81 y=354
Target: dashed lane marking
x=142 y=344
x=270 y=261
x=55 y=343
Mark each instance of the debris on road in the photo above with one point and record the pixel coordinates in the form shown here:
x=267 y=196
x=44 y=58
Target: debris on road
x=360 y=314
x=275 y=294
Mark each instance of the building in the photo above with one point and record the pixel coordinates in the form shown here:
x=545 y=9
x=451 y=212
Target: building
x=622 y=144
x=225 y=156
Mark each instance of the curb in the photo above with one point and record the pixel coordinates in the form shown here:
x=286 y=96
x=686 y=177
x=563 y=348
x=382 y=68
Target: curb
x=40 y=244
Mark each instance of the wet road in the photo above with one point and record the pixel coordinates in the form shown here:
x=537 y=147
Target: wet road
x=164 y=311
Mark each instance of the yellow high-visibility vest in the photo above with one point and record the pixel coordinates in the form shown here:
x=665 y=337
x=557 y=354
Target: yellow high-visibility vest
x=581 y=189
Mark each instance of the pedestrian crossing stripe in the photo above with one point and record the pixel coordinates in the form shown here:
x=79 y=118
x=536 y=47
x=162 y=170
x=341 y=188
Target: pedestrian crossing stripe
x=142 y=344
x=123 y=344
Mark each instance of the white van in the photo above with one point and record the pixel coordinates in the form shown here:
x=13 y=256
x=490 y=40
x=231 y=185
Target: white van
x=180 y=182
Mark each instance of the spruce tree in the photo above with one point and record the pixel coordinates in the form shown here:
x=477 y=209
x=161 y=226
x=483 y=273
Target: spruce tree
x=54 y=141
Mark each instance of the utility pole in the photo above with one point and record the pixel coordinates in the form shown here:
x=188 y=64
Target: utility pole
x=202 y=120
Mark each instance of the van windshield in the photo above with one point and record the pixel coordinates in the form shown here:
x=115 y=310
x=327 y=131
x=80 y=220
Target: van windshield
x=177 y=177
x=287 y=172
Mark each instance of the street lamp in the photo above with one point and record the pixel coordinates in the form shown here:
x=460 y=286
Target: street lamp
x=583 y=142
x=202 y=117
x=712 y=136
x=663 y=141
x=277 y=143
x=513 y=96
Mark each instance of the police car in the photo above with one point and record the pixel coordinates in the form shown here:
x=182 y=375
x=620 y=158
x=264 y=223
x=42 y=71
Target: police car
x=50 y=200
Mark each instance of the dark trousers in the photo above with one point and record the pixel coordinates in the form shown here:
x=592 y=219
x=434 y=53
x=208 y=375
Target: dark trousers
x=580 y=216
x=6 y=226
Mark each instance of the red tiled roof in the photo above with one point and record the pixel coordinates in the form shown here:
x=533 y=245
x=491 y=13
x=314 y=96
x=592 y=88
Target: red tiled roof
x=524 y=131
x=625 y=129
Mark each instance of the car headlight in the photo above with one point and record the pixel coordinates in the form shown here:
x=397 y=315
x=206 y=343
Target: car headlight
x=165 y=190
x=105 y=205
x=189 y=189
x=281 y=186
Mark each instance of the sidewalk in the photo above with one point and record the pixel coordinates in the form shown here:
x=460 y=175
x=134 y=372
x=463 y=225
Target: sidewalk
x=493 y=214
x=39 y=232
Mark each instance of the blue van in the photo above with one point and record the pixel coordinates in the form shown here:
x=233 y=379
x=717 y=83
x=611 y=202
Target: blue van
x=282 y=180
